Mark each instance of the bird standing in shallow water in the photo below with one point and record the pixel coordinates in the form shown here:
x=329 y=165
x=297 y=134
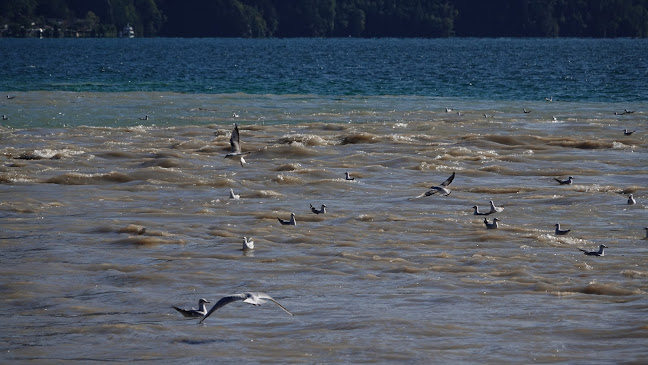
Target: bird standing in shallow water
x=251 y=298
x=631 y=200
x=491 y=225
x=565 y=182
x=595 y=253
x=320 y=211
x=194 y=312
x=248 y=244
x=493 y=208
x=477 y=212
x=291 y=222
x=561 y=232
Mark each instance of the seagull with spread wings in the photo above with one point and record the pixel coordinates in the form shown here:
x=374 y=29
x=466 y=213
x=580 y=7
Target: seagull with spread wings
x=251 y=298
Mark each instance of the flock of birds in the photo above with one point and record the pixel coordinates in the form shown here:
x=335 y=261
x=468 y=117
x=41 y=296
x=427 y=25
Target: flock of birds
x=441 y=189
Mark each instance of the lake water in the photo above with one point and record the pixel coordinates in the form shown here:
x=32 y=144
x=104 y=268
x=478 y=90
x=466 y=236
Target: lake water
x=384 y=276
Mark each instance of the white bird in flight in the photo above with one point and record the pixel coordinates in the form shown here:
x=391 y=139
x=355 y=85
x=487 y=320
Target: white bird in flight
x=194 y=312
x=235 y=144
x=234 y=196
x=442 y=188
x=251 y=298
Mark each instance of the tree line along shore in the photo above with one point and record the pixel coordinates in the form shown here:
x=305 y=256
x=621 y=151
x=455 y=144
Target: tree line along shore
x=324 y=18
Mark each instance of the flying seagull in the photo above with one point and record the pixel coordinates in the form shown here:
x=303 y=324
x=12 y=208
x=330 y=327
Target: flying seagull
x=234 y=196
x=235 y=144
x=491 y=225
x=320 y=211
x=248 y=244
x=194 y=312
x=595 y=253
x=251 y=298
x=561 y=232
x=442 y=188
x=291 y=222
x=565 y=182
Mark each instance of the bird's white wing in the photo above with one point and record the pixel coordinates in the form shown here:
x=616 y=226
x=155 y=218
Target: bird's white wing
x=266 y=296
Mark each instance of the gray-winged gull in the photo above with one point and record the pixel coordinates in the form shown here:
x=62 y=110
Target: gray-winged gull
x=561 y=232
x=491 y=225
x=194 y=312
x=595 y=253
x=318 y=211
x=251 y=298
x=291 y=222
x=235 y=146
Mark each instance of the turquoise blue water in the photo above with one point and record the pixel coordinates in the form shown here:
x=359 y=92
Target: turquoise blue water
x=494 y=69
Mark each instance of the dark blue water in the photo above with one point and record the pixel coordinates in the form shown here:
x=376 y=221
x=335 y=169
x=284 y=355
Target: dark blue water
x=492 y=69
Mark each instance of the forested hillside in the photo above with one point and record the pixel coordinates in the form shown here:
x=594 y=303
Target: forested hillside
x=325 y=18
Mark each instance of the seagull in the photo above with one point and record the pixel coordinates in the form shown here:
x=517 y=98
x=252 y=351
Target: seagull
x=321 y=211
x=11 y=97
x=495 y=209
x=348 y=177
x=617 y=113
x=477 y=212
x=448 y=110
x=626 y=132
x=442 y=188
x=565 y=182
x=595 y=253
x=251 y=298
x=236 y=146
x=234 y=196
x=4 y=117
x=194 y=312
x=646 y=233
x=491 y=225
x=291 y=222
x=549 y=98
x=631 y=200
x=628 y=111
x=144 y=117
x=526 y=111
x=248 y=244
x=561 y=232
